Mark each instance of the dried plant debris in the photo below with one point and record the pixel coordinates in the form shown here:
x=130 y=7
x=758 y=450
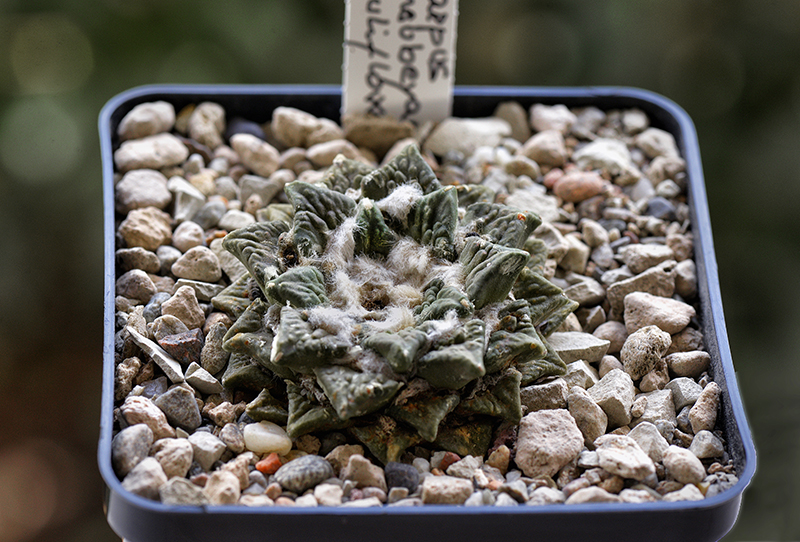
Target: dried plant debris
x=491 y=324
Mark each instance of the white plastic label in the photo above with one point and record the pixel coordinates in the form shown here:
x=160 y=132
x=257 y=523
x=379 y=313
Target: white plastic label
x=399 y=58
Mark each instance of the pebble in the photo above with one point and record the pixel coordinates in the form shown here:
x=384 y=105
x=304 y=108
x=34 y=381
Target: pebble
x=658 y=281
x=148 y=228
x=546 y=148
x=129 y=447
x=445 y=490
x=546 y=495
x=591 y=494
x=198 y=263
x=643 y=350
x=135 y=284
x=686 y=279
x=551 y=117
x=266 y=189
x=303 y=473
x=143 y=410
x=209 y=214
x=175 y=456
x=660 y=409
x=656 y=142
x=689 y=364
x=547 y=440
x=401 y=475
x=614 y=332
x=184 y=306
x=577 y=186
x=229 y=263
x=685 y=392
x=180 y=407
x=183 y=347
x=124 y=374
x=589 y=417
x=550 y=394
x=222 y=488
x=233 y=220
x=574 y=345
x=465 y=467
x=587 y=293
x=581 y=374
x=146 y=119
x=187 y=236
x=328 y=494
x=683 y=465
x=706 y=445
x=610 y=155
x=621 y=455
x=206 y=124
x=207 y=448
x=466 y=135
x=643 y=309
x=202 y=380
x=145 y=479
x=614 y=393
x=266 y=437
x=141 y=188
x=322 y=154
x=180 y=491
x=649 y=440
x=151 y=152
x=689 y=492
x=640 y=257
x=291 y=126
x=703 y=415
x=137 y=258
x=360 y=470
x=257 y=155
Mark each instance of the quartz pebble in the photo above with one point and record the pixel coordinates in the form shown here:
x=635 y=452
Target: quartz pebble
x=636 y=396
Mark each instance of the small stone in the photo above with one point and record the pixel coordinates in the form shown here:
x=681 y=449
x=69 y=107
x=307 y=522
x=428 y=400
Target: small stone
x=328 y=494
x=401 y=475
x=614 y=332
x=363 y=503
x=198 y=263
x=546 y=495
x=322 y=154
x=148 y=228
x=643 y=349
x=614 y=393
x=500 y=458
x=686 y=279
x=188 y=199
x=591 y=494
x=683 y=465
x=183 y=347
x=517 y=118
x=659 y=410
x=589 y=417
x=143 y=410
x=577 y=186
x=180 y=491
x=180 y=407
x=239 y=466
x=397 y=494
x=466 y=134
x=222 y=488
x=146 y=119
x=577 y=255
x=643 y=309
x=206 y=124
x=265 y=437
x=145 y=479
x=266 y=189
x=234 y=220
x=229 y=263
x=685 y=391
x=689 y=492
x=291 y=126
x=638 y=495
x=465 y=467
x=650 y=440
x=706 y=445
x=257 y=155
x=213 y=357
x=184 y=306
x=587 y=292
x=209 y=214
x=135 y=284
x=656 y=142
x=640 y=257
x=546 y=148
x=124 y=374
x=547 y=440
x=375 y=133
x=608 y=364
x=445 y=490
x=202 y=380
x=504 y=499
x=141 y=188
x=551 y=117
x=129 y=447
x=137 y=258
x=340 y=455
x=151 y=152
x=621 y=455
x=360 y=470
x=703 y=415
x=593 y=233
x=656 y=379
x=175 y=456
x=610 y=155
x=574 y=345
x=551 y=394
x=580 y=373
x=658 y=280
x=188 y=235
x=207 y=448
x=688 y=364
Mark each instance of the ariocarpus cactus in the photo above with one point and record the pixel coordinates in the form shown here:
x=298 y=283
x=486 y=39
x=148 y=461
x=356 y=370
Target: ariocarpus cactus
x=390 y=306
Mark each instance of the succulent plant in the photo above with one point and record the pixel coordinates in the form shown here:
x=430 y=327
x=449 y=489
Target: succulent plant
x=393 y=307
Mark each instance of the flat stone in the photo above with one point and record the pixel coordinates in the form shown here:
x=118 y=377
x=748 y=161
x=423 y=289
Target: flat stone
x=445 y=490
x=546 y=148
x=659 y=410
x=146 y=119
x=376 y=133
x=547 y=440
x=141 y=188
x=129 y=447
x=180 y=491
x=643 y=350
x=587 y=292
x=180 y=407
x=202 y=380
x=614 y=393
x=640 y=257
x=266 y=437
x=145 y=479
x=706 y=445
x=551 y=394
x=658 y=280
x=643 y=309
x=621 y=455
x=148 y=228
x=175 y=456
x=574 y=345
x=184 y=347
x=361 y=470
x=650 y=440
x=160 y=357
x=207 y=448
x=465 y=467
x=589 y=417
x=184 y=306
x=592 y=494
x=689 y=364
x=198 y=263
x=685 y=392
x=257 y=155
x=703 y=415
x=151 y=152
x=466 y=134
x=683 y=465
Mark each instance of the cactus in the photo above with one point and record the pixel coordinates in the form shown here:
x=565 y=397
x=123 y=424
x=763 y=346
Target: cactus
x=394 y=308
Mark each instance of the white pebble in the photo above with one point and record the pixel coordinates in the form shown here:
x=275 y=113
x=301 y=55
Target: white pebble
x=266 y=437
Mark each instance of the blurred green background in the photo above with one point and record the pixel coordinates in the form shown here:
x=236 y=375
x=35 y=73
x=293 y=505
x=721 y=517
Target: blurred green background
x=733 y=65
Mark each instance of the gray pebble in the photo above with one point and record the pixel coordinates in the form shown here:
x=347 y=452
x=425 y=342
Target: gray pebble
x=141 y=188
x=303 y=473
x=129 y=447
x=180 y=407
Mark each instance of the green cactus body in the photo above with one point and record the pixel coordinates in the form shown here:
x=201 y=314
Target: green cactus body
x=389 y=306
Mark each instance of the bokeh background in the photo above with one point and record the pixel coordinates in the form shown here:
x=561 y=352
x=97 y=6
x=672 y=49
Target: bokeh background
x=734 y=65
